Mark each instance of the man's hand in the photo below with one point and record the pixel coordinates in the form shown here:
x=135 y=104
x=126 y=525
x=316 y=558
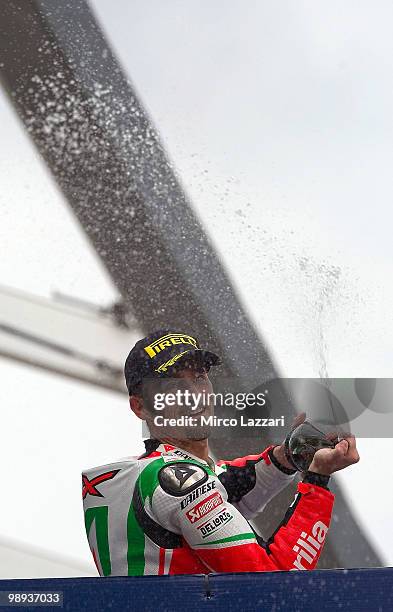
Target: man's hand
x=329 y=460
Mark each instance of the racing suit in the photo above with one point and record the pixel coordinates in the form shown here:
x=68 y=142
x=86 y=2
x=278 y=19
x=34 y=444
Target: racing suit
x=169 y=512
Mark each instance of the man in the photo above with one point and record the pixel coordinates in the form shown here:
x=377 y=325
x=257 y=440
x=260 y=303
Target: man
x=172 y=510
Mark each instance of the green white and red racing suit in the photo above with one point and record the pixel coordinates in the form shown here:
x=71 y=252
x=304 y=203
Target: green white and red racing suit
x=169 y=512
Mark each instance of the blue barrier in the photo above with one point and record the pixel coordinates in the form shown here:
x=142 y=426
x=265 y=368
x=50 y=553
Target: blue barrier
x=361 y=590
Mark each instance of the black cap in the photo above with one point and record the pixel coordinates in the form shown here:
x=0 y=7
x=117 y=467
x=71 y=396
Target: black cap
x=159 y=353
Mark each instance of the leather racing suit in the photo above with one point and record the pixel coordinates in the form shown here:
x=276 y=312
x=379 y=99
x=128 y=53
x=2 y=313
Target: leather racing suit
x=169 y=512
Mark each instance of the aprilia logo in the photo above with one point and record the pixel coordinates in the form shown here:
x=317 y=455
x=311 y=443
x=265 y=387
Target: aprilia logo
x=204 y=507
x=308 y=546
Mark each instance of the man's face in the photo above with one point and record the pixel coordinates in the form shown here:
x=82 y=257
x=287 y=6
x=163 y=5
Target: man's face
x=184 y=394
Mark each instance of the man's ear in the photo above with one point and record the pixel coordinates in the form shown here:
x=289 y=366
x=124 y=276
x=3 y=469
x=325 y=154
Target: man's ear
x=137 y=407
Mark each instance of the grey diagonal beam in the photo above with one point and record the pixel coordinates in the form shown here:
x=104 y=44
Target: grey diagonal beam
x=96 y=138
x=105 y=155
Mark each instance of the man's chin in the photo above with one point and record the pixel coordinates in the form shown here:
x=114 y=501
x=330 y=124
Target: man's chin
x=198 y=436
